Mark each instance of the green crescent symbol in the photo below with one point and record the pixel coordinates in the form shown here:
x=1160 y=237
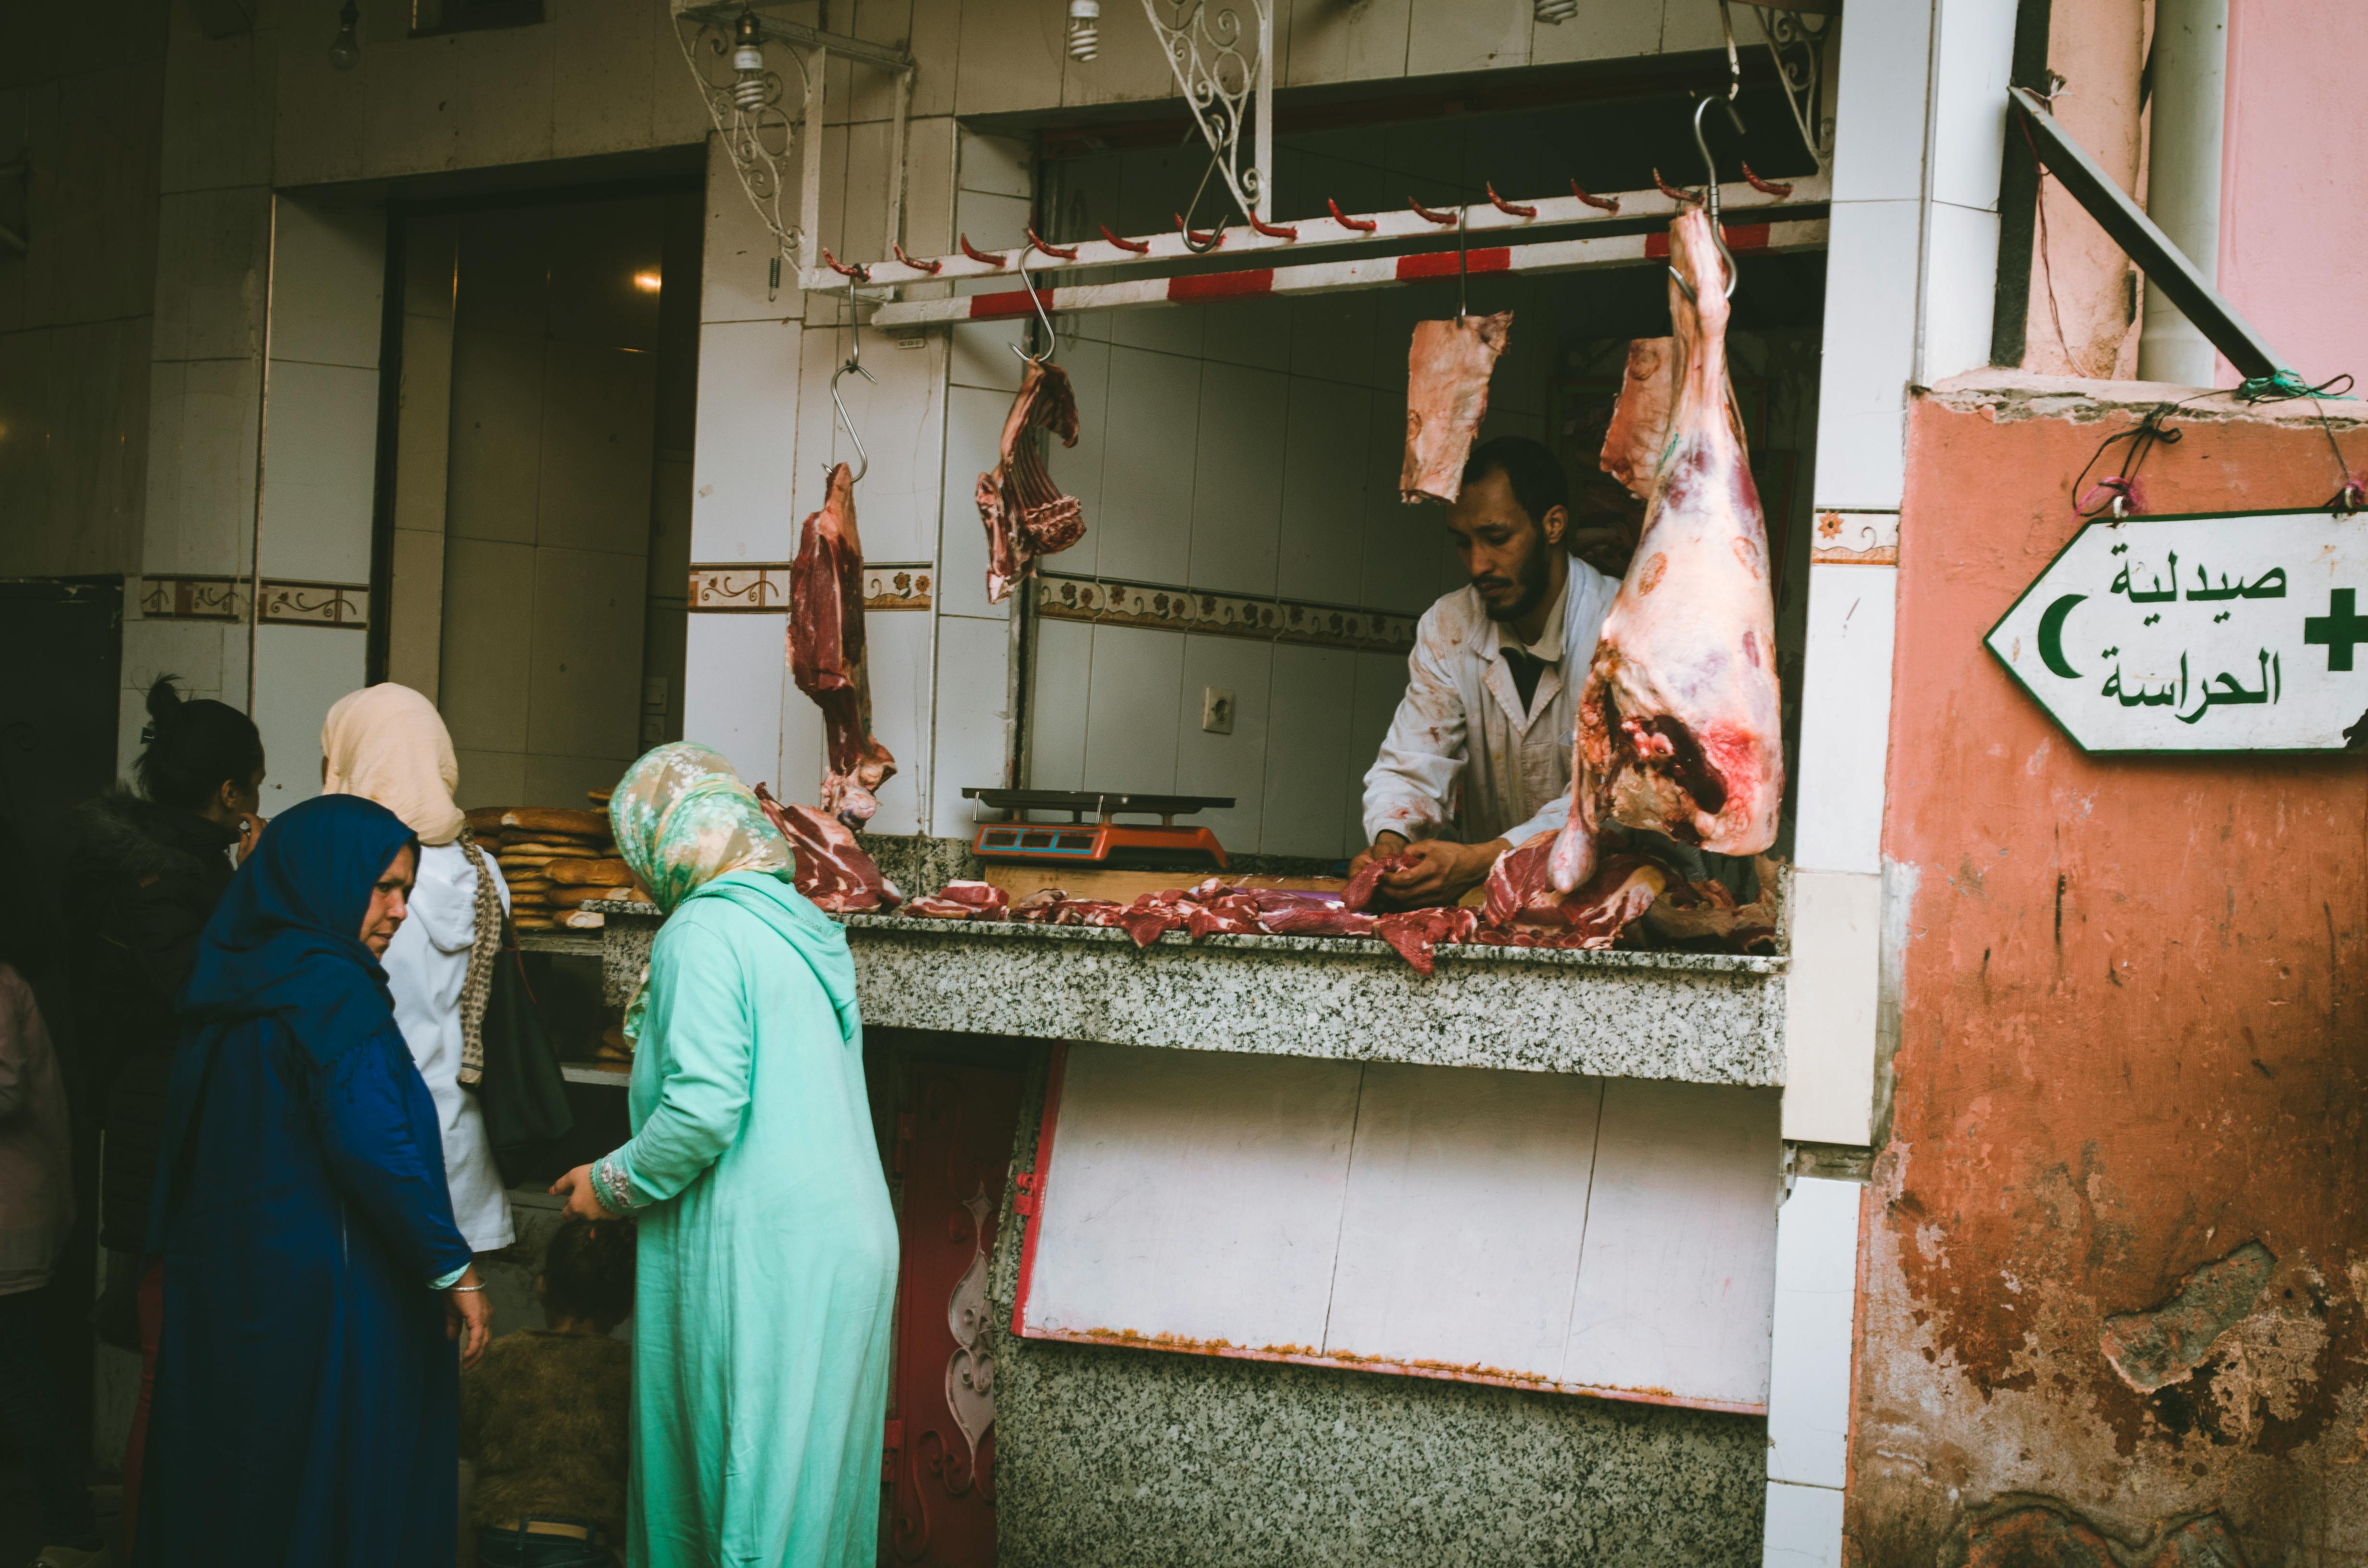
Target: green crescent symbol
x=2051 y=635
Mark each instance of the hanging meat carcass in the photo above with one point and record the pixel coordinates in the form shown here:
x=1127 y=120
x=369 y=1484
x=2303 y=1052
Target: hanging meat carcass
x=1025 y=513
x=827 y=653
x=1678 y=723
x=1447 y=396
x=830 y=867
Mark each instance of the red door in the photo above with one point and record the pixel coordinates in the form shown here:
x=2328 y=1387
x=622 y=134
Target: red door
x=954 y=1132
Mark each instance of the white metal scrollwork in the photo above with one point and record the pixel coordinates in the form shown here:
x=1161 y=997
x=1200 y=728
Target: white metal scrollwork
x=746 y=112
x=1799 y=52
x=1229 y=83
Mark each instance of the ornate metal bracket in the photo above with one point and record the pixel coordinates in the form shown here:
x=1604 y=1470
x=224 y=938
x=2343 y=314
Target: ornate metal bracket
x=1229 y=83
x=1799 y=52
x=746 y=109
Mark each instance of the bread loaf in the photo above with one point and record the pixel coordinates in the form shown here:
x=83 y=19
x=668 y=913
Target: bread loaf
x=583 y=920
x=486 y=819
x=598 y=797
x=581 y=849
x=569 y=897
x=534 y=922
x=513 y=858
x=557 y=819
x=590 y=873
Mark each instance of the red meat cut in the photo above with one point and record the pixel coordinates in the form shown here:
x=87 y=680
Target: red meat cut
x=1417 y=931
x=963 y=901
x=827 y=653
x=1447 y=396
x=831 y=868
x=1026 y=516
x=1678 y=723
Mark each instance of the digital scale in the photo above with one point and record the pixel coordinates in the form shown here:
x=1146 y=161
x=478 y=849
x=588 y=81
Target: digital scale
x=1104 y=841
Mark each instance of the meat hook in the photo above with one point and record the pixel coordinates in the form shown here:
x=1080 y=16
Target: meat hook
x=1513 y=209
x=855 y=364
x=1441 y=219
x=1136 y=247
x=850 y=272
x=1052 y=338
x=1362 y=225
x=929 y=266
x=1600 y=203
x=1068 y=253
x=1197 y=244
x=1274 y=230
x=975 y=253
x=1710 y=193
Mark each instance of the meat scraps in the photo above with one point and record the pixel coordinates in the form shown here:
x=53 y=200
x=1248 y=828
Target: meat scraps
x=963 y=901
x=1415 y=932
x=827 y=653
x=831 y=868
x=1026 y=516
x=1447 y=396
x=1678 y=723
x=1361 y=887
x=1639 y=431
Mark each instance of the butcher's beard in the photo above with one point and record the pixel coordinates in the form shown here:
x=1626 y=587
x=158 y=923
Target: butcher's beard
x=1535 y=582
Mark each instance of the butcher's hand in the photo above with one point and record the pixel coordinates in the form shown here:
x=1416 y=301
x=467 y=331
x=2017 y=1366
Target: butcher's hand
x=467 y=1317
x=1438 y=872
x=582 y=1202
x=1387 y=844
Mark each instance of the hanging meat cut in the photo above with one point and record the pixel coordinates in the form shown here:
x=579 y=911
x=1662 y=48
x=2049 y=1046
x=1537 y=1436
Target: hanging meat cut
x=1026 y=516
x=1447 y=396
x=1678 y=727
x=831 y=868
x=827 y=653
x=1639 y=431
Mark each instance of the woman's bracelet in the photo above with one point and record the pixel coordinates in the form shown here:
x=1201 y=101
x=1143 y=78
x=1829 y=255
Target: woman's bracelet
x=456 y=1289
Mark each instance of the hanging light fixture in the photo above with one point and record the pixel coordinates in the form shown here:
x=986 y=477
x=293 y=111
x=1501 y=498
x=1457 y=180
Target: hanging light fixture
x=748 y=64
x=1086 y=29
x=1557 y=11
x=346 y=48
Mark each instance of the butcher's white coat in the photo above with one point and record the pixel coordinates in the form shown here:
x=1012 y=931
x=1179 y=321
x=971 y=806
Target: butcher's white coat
x=426 y=965
x=1462 y=760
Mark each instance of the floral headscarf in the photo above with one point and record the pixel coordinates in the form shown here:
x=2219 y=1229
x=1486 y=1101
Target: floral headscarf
x=682 y=818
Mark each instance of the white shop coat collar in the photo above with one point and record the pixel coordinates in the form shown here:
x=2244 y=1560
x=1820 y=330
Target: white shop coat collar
x=426 y=965
x=1462 y=760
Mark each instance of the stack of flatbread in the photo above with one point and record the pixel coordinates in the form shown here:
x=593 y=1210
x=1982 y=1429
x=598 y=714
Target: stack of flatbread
x=555 y=860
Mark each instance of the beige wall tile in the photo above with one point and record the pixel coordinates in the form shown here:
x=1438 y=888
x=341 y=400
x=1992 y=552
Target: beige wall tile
x=736 y=283
x=602 y=85
x=936 y=56
x=858 y=92
x=493 y=779
x=300 y=673
x=92 y=206
x=319 y=466
x=598 y=410
x=747 y=394
x=74 y=400
x=423 y=438
x=502 y=88
x=415 y=610
x=211 y=252
x=1010 y=55
x=200 y=512
x=678 y=108
x=1604 y=29
x=497 y=435
x=864 y=224
x=488 y=638
x=563 y=780
x=319 y=114
x=585 y=682
x=328 y=282
x=219 y=95
x=410 y=119
x=1132 y=65
x=1469 y=35
x=1331 y=43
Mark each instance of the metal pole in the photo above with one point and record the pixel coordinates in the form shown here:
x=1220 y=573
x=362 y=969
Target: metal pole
x=1263 y=143
x=2183 y=148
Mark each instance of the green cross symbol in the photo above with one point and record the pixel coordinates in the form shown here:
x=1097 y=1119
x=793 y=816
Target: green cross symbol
x=2337 y=629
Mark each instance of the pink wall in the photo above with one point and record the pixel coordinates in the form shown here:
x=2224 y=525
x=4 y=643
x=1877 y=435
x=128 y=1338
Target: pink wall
x=2293 y=228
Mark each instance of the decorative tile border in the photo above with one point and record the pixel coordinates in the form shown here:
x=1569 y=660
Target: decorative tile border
x=284 y=602
x=1170 y=608
x=1856 y=539
x=192 y=599
x=762 y=588
x=315 y=604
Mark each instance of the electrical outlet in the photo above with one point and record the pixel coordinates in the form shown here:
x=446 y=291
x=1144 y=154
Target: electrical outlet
x=1217 y=710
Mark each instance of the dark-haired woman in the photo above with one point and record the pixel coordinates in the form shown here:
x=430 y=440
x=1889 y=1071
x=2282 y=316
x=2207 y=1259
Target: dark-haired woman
x=546 y=1415
x=307 y=1400
x=146 y=874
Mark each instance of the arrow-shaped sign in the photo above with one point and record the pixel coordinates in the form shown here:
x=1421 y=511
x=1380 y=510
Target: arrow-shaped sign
x=2209 y=633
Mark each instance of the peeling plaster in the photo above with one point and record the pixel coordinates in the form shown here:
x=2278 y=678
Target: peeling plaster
x=2163 y=1346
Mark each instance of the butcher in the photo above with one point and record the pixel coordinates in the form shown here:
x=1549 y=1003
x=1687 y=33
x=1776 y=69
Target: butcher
x=1478 y=757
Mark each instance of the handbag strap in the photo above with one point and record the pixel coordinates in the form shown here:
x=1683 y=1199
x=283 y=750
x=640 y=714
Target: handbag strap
x=485 y=947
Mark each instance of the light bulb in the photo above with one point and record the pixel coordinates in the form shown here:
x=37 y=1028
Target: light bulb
x=748 y=63
x=1085 y=30
x=346 y=48
x=1557 y=11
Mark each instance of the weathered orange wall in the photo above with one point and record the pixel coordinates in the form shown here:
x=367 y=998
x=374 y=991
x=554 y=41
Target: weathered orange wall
x=2133 y=1023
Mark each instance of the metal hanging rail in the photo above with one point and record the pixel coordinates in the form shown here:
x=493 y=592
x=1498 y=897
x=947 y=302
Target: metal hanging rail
x=1497 y=217
x=1328 y=277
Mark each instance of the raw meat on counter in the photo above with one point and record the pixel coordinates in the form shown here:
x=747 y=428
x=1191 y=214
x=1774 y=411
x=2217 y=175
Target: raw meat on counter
x=963 y=901
x=1447 y=396
x=827 y=653
x=1416 y=932
x=1025 y=513
x=1679 y=725
x=1362 y=886
x=831 y=868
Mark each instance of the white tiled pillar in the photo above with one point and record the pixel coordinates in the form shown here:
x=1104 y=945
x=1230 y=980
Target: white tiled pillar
x=1919 y=122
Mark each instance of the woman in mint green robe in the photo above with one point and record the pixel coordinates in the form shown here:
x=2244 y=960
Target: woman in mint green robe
x=767 y=1250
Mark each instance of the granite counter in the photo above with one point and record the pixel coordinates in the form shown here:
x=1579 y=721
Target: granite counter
x=1705 y=1018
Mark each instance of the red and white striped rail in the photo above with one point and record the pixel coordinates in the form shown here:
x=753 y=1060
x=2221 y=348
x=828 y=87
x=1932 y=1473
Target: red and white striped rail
x=1331 y=276
x=1499 y=220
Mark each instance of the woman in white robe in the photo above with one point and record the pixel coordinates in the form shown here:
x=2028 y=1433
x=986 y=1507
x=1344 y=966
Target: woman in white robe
x=388 y=743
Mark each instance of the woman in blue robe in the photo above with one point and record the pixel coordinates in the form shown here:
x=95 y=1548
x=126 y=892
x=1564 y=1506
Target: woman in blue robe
x=307 y=1393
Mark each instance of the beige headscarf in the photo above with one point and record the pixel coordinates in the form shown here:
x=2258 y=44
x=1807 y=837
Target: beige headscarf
x=388 y=743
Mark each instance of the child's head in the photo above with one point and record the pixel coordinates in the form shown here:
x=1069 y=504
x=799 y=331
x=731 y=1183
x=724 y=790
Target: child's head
x=587 y=1273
